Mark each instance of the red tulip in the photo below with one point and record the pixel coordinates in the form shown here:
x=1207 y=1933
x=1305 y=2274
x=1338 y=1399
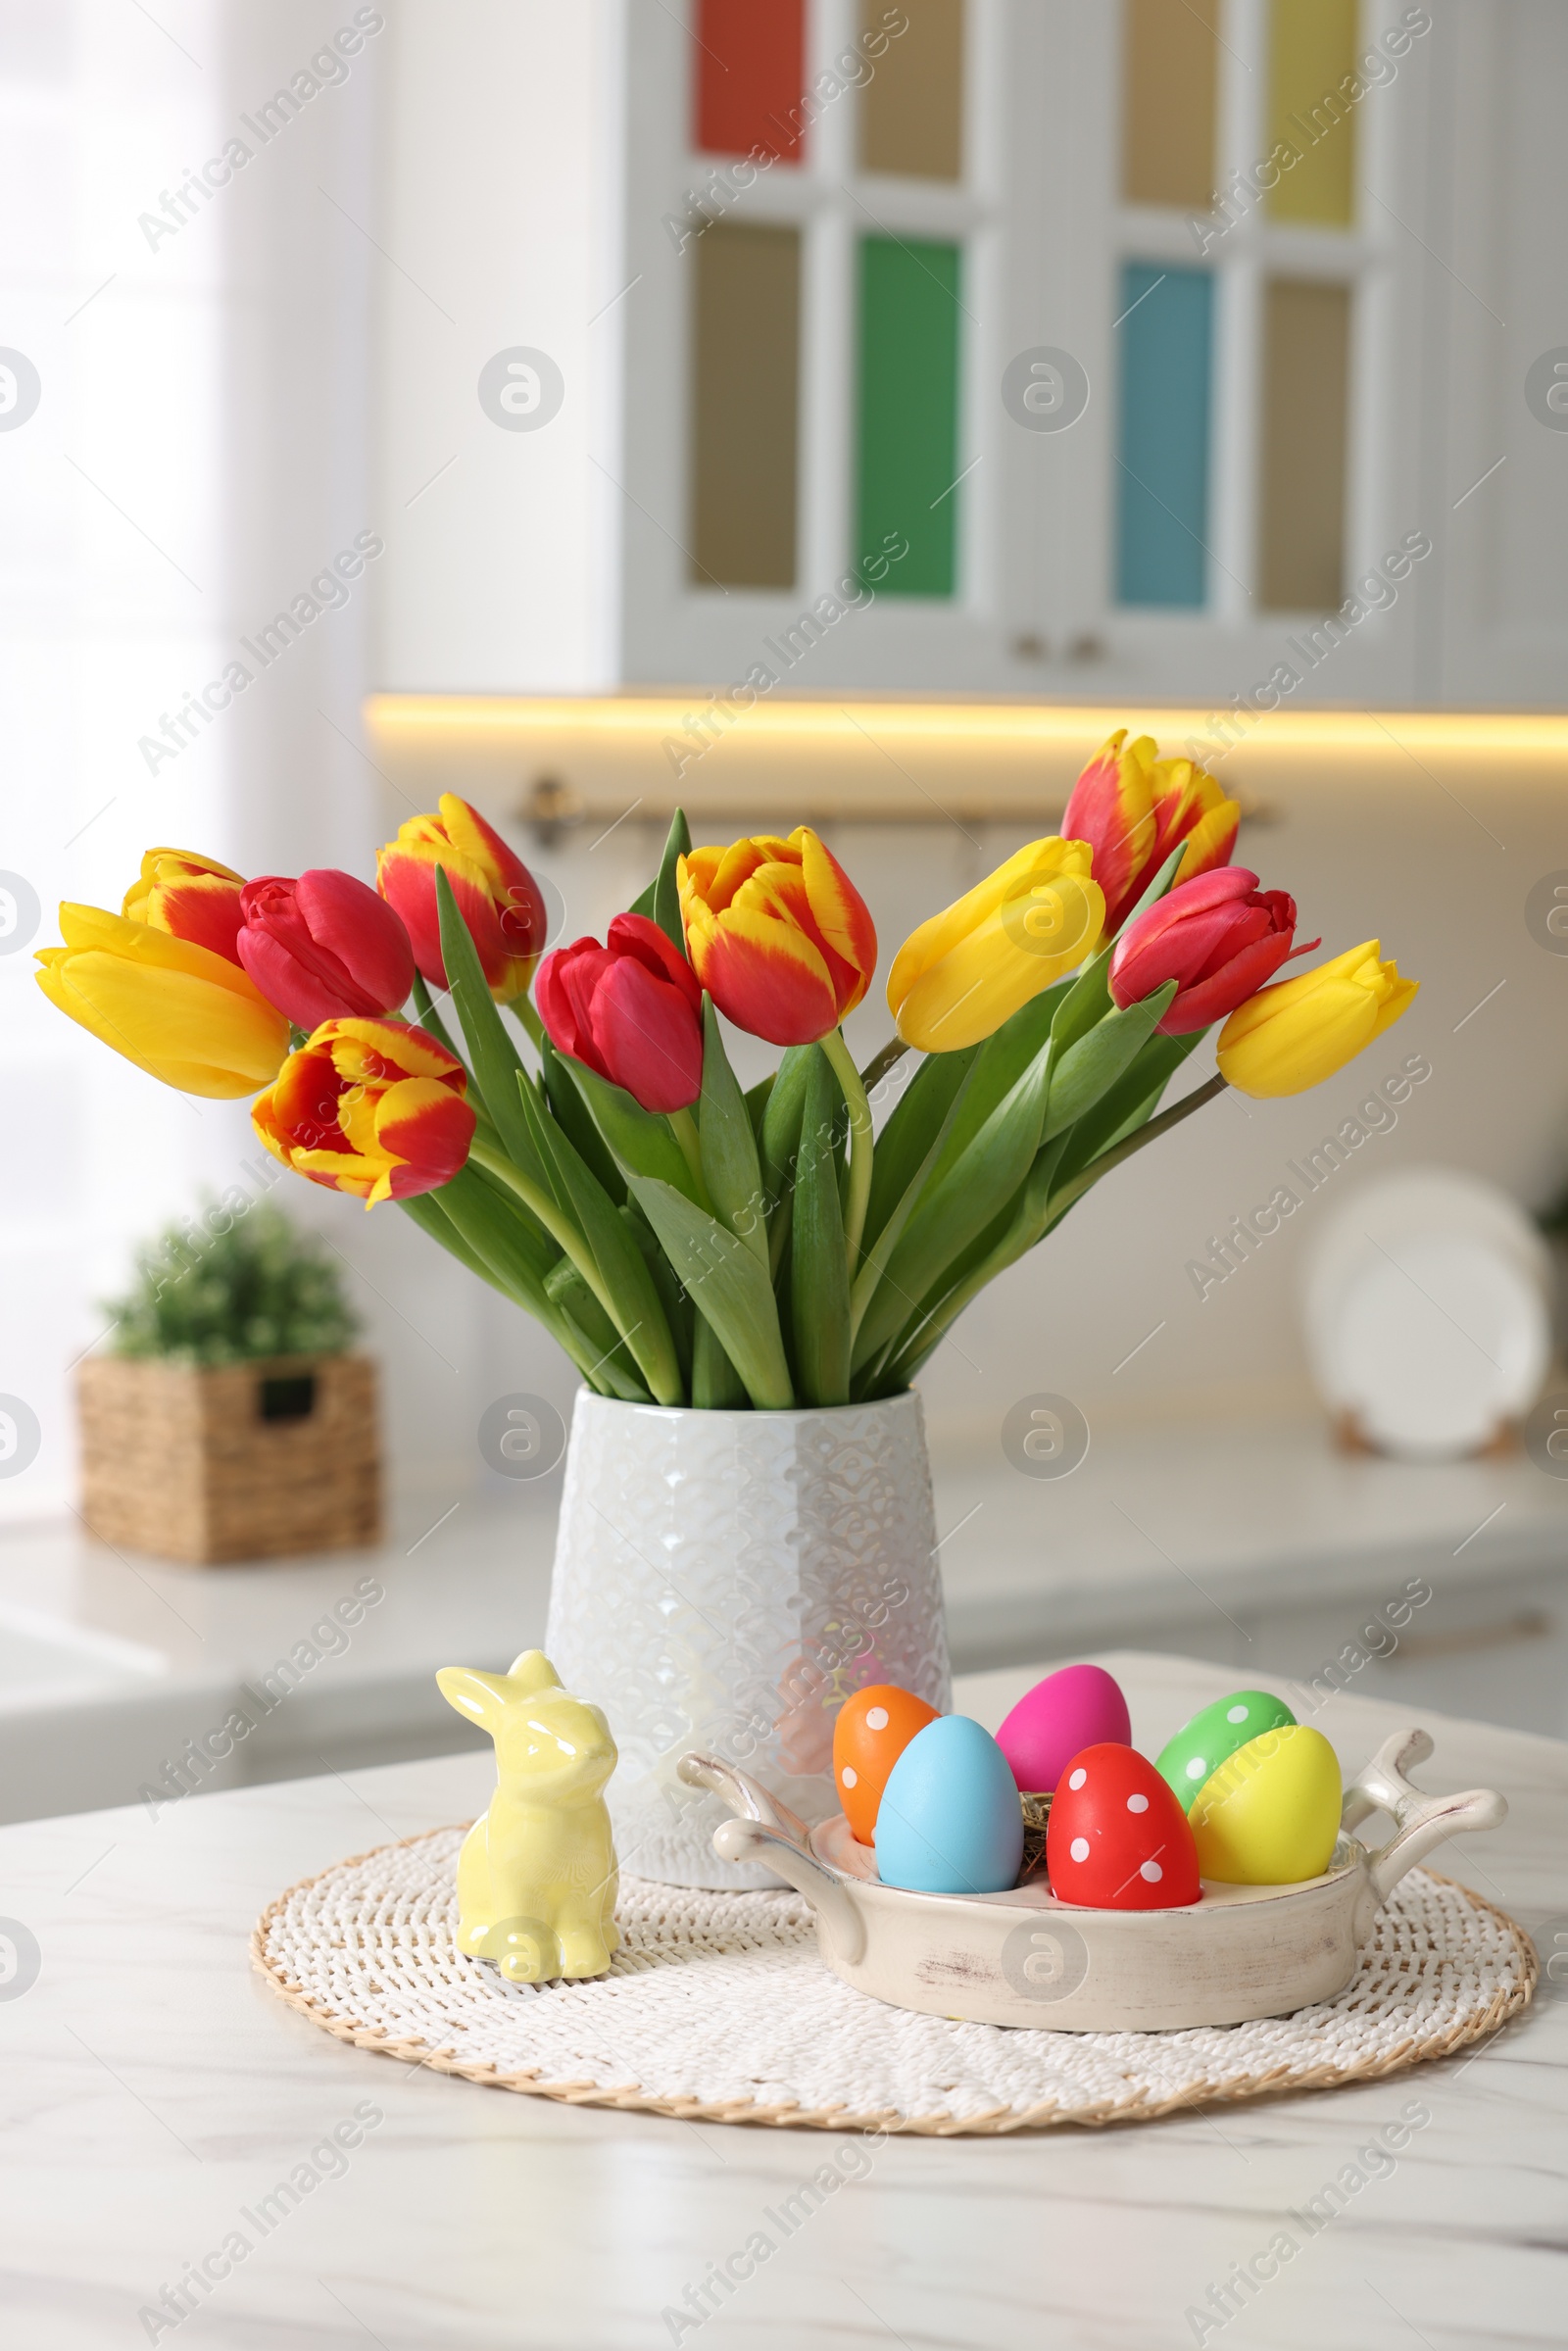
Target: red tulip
x=631 y=1010
x=497 y=896
x=323 y=947
x=372 y=1107
x=1219 y=937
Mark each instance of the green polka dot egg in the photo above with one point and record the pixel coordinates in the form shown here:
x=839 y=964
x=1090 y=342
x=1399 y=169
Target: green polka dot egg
x=1215 y=1735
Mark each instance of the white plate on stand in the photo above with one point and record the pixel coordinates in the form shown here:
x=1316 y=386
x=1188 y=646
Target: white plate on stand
x=1427 y=1309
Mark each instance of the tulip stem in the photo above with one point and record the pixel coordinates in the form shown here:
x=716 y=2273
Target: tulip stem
x=683 y=1126
x=876 y=1069
x=560 y=1227
x=925 y=1332
x=522 y=1012
x=861 y=1142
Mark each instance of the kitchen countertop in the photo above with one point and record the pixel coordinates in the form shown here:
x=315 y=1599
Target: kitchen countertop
x=154 y=2087
x=1179 y=1535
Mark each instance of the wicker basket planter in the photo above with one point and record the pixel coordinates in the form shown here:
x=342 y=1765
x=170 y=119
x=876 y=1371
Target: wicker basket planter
x=253 y=1461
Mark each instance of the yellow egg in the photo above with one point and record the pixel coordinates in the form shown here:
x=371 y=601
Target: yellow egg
x=1270 y=1814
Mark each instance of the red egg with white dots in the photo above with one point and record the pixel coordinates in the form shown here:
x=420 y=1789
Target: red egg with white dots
x=872 y=1731
x=1117 y=1839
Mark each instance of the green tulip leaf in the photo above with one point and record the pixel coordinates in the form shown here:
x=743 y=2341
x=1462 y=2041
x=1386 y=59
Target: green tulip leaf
x=782 y=1141
x=639 y=1141
x=495 y=1061
x=613 y=1266
x=614 y=1369
x=679 y=1312
x=716 y=1386
x=489 y=1230
x=429 y=1019
x=425 y=1210
x=1090 y=1068
x=666 y=889
x=904 y=1146
x=1130 y=1102
x=728 y=1285
x=572 y=1115
x=757 y=1101
x=999 y=1063
x=731 y=1169
x=959 y=1207
x=819 y=1279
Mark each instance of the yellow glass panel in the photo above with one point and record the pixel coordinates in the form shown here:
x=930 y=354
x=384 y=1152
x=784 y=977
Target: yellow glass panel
x=746 y=407
x=911 y=110
x=1170 y=58
x=1311 y=110
x=1306 y=355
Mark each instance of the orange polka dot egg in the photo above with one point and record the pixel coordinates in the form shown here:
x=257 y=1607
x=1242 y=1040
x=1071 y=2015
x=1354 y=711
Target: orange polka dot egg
x=872 y=1731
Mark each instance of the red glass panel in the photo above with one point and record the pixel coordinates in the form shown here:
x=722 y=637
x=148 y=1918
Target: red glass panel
x=751 y=71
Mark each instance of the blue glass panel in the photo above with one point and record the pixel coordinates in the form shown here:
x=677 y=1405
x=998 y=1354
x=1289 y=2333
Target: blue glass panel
x=1166 y=362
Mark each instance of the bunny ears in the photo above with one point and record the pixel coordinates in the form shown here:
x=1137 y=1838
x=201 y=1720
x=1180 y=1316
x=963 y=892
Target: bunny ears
x=485 y=1697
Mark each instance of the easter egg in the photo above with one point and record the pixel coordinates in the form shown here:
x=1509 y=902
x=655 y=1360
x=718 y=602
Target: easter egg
x=873 y=1728
x=1213 y=1736
x=950 y=1822
x=1117 y=1839
x=1081 y=1706
x=1270 y=1814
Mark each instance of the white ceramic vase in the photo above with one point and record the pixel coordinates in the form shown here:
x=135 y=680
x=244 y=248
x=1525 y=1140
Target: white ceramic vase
x=723 y=1581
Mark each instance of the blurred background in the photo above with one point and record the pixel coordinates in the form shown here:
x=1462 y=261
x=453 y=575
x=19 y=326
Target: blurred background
x=807 y=410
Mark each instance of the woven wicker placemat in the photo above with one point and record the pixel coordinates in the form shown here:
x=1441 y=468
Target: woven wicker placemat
x=717 y=2008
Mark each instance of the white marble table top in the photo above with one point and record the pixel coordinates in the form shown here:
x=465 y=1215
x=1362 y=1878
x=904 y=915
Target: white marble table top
x=153 y=2091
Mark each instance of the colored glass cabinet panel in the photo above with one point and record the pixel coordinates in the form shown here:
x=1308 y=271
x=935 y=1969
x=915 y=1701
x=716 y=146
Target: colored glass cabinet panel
x=1306 y=355
x=1170 y=75
x=908 y=416
x=911 y=108
x=746 y=407
x=1167 y=338
x=750 y=59
x=1312 y=81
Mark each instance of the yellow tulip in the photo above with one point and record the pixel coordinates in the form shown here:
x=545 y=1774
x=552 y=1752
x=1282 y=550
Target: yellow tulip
x=179 y=1011
x=960 y=975
x=1293 y=1035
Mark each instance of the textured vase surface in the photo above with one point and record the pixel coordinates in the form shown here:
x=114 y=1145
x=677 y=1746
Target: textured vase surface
x=724 y=1581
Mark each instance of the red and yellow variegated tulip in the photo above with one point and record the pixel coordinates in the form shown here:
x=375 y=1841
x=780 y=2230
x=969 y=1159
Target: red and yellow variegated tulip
x=960 y=975
x=189 y=896
x=371 y=1107
x=1300 y=1031
x=175 y=1008
x=497 y=896
x=1218 y=937
x=778 y=935
x=1133 y=808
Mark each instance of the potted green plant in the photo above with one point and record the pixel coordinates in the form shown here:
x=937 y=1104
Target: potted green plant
x=226 y=1418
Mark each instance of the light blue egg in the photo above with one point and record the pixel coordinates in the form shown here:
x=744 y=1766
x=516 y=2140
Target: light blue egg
x=950 y=1821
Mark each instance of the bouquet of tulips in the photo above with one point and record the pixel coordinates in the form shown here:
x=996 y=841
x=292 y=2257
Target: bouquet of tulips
x=683 y=1241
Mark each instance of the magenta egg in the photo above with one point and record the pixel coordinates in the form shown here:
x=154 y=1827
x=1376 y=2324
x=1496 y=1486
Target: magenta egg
x=1081 y=1706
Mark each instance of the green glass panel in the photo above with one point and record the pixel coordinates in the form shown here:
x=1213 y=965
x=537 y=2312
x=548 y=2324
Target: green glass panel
x=1311 y=79
x=909 y=421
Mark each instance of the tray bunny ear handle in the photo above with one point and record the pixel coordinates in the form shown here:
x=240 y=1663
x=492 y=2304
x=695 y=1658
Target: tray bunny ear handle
x=1421 y=1821
x=766 y=1831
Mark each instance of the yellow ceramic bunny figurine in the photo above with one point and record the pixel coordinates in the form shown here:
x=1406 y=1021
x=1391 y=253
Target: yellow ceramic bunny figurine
x=536 y=1876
